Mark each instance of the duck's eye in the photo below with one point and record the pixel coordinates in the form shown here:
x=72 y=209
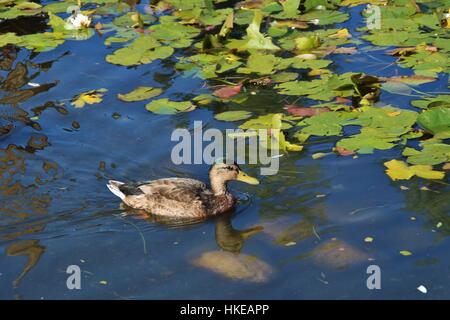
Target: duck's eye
x=230 y=168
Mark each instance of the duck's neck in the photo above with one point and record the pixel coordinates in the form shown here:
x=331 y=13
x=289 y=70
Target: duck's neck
x=218 y=186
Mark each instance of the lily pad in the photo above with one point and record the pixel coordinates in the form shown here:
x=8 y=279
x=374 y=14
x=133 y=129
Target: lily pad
x=140 y=93
x=325 y=88
x=326 y=123
x=143 y=50
x=89 y=97
x=166 y=106
x=431 y=154
x=437 y=121
x=233 y=115
x=438 y=101
x=399 y=170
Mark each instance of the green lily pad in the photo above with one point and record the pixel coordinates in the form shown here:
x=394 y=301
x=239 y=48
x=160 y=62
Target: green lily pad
x=437 y=121
x=39 y=42
x=325 y=17
x=140 y=93
x=166 y=106
x=263 y=122
x=261 y=64
x=174 y=33
x=388 y=119
x=325 y=88
x=326 y=123
x=143 y=50
x=438 y=101
x=368 y=140
x=233 y=115
x=431 y=154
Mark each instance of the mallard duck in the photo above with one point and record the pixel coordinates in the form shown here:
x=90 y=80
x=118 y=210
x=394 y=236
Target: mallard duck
x=183 y=197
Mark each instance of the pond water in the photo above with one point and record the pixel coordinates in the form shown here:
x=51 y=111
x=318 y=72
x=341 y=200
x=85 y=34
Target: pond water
x=56 y=211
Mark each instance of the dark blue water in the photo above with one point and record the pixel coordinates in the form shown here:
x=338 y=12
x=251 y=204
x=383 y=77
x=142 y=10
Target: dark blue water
x=56 y=211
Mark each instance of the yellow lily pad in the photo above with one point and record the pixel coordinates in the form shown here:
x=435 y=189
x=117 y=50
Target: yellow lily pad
x=399 y=170
x=89 y=97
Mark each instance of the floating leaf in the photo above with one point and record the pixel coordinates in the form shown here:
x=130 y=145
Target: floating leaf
x=324 y=17
x=343 y=152
x=89 y=97
x=399 y=170
x=305 y=111
x=396 y=88
x=325 y=124
x=173 y=33
x=405 y=253
x=438 y=101
x=319 y=155
x=412 y=80
x=262 y=64
x=143 y=50
x=166 y=106
x=227 y=91
x=431 y=154
x=325 y=88
x=140 y=93
x=263 y=122
x=233 y=115
x=437 y=121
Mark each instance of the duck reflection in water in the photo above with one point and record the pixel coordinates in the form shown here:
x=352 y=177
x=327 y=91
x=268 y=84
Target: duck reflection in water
x=227 y=237
x=230 y=239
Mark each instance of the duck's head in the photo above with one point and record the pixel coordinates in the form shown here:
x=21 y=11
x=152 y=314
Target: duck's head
x=223 y=171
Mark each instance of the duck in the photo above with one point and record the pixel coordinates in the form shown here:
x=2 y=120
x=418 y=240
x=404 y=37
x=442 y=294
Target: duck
x=184 y=197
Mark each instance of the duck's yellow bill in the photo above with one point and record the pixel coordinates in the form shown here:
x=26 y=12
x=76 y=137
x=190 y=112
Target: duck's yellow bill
x=242 y=176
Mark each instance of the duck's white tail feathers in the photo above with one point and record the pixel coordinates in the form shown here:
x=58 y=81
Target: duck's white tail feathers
x=113 y=186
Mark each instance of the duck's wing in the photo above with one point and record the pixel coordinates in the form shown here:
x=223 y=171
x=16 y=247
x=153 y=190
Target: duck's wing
x=175 y=189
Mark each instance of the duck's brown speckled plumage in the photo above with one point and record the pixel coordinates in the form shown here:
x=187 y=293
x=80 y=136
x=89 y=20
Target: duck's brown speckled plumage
x=182 y=197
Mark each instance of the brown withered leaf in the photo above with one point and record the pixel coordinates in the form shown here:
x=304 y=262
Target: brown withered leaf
x=345 y=50
x=409 y=50
x=344 y=152
x=292 y=24
x=305 y=111
x=413 y=79
x=342 y=100
x=227 y=91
